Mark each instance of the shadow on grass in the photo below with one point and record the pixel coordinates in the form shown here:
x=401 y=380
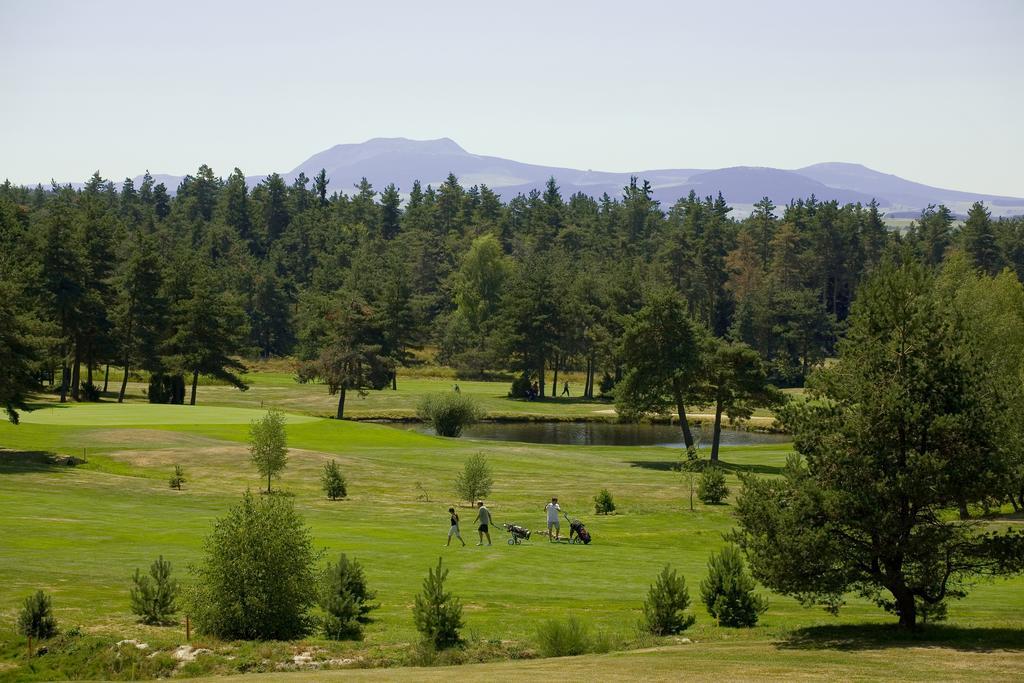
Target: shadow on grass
x=674 y=466
x=21 y=462
x=852 y=637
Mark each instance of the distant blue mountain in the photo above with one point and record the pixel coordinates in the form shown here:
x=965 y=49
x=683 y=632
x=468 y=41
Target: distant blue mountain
x=401 y=161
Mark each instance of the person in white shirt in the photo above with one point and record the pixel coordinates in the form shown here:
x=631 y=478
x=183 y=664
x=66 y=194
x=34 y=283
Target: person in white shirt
x=553 y=511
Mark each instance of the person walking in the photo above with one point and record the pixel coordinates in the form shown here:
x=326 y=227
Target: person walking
x=454 y=529
x=565 y=389
x=483 y=515
x=553 y=511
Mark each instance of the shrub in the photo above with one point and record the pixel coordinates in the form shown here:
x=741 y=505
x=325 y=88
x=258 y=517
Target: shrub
x=437 y=614
x=36 y=619
x=603 y=503
x=333 y=481
x=607 y=385
x=90 y=392
x=667 y=600
x=711 y=488
x=474 y=481
x=268 y=444
x=521 y=386
x=556 y=638
x=178 y=478
x=153 y=597
x=728 y=590
x=346 y=600
x=448 y=413
x=256 y=580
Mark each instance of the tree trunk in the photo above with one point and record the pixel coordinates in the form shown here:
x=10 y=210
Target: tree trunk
x=88 y=371
x=394 y=380
x=64 y=381
x=554 y=380
x=124 y=382
x=195 y=383
x=540 y=379
x=906 y=607
x=717 y=436
x=268 y=482
x=586 y=380
x=964 y=512
x=341 y=403
x=683 y=422
x=106 y=378
x=76 y=373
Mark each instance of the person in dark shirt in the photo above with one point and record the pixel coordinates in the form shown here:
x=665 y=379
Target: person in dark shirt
x=453 y=530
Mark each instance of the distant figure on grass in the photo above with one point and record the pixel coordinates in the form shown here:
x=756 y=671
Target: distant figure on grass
x=534 y=391
x=456 y=389
x=565 y=389
x=483 y=515
x=553 y=509
x=454 y=529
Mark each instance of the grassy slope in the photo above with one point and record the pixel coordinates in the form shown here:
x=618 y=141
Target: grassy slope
x=277 y=387
x=80 y=532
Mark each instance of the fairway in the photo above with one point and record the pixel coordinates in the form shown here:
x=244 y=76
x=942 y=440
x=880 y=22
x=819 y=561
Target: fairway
x=144 y=414
x=80 y=532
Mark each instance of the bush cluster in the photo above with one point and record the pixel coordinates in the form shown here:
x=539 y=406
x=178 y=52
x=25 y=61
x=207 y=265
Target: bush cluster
x=448 y=413
x=711 y=488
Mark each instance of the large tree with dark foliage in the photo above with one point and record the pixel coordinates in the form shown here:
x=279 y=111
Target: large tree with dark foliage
x=904 y=427
x=661 y=351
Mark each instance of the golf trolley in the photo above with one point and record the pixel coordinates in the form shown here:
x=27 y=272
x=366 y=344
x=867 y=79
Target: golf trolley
x=577 y=531
x=516 y=533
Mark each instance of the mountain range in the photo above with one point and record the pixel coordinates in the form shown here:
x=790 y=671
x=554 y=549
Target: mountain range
x=401 y=161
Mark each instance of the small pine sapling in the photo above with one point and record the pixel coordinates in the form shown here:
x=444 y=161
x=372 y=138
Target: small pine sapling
x=603 y=503
x=666 y=603
x=436 y=613
x=346 y=599
x=333 y=481
x=36 y=620
x=178 y=478
x=154 y=597
x=728 y=590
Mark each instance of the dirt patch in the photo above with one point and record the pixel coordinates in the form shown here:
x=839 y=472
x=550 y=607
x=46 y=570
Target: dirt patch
x=156 y=437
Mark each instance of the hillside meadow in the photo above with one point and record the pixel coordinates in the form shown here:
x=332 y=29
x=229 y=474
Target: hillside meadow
x=79 y=533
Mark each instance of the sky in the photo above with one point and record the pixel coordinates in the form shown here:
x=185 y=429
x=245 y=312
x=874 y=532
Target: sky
x=932 y=91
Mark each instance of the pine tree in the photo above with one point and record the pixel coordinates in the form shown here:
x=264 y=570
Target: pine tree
x=666 y=604
x=333 y=481
x=979 y=240
x=346 y=599
x=154 y=597
x=728 y=590
x=437 y=613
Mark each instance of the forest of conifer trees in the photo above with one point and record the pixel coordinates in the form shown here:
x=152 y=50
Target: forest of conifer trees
x=352 y=282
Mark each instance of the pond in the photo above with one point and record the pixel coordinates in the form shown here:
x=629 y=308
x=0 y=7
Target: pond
x=603 y=434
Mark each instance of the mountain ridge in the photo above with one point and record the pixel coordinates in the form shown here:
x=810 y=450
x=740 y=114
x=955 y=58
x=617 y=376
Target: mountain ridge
x=398 y=160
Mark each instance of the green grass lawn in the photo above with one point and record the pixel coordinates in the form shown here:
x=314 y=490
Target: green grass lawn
x=276 y=387
x=79 y=532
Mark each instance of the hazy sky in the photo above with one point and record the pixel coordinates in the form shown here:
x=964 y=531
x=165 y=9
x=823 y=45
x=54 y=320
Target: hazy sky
x=933 y=91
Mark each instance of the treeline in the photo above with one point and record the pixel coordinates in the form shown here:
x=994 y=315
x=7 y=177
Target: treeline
x=352 y=283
